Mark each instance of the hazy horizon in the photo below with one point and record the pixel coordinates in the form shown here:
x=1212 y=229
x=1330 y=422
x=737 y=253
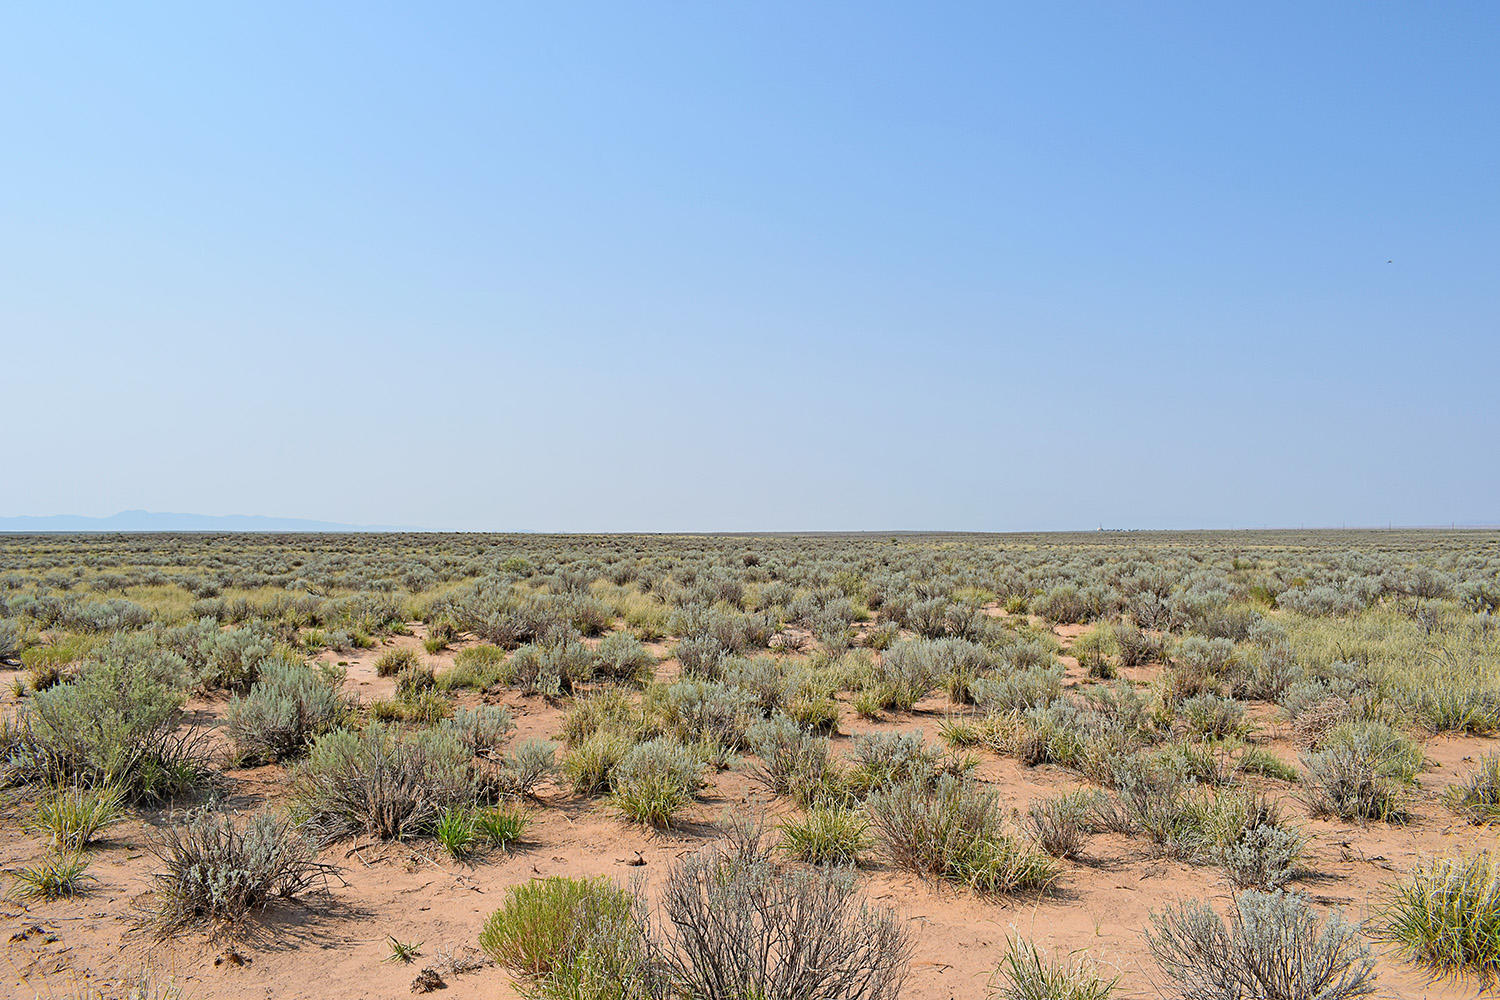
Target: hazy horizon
x=132 y=521
x=667 y=268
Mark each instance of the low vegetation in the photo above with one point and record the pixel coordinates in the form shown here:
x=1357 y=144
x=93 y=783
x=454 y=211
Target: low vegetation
x=1251 y=706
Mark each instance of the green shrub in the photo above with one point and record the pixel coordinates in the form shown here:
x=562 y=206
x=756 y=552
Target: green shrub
x=1212 y=717
x=500 y=827
x=474 y=667
x=556 y=931
x=610 y=708
x=878 y=760
x=620 y=656
x=1258 y=760
x=709 y=712
x=1392 y=753
x=413 y=681
x=457 y=832
x=590 y=765
x=1093 y=650
x=815 y=713
x=794 y=762
x=394 y=660
x=115 y=724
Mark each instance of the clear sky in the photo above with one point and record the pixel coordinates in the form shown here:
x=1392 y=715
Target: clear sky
x=703 y=266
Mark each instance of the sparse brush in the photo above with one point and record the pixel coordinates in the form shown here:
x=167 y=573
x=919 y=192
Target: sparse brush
x=287 y=707
x=878 y=760
x=1343 y=782
x=1061 y=823
x=59 y=876
x=1272 y=948
x=1446 y=916
x=529 y=763
x=393 y=661
x=144 y=985
x=826 y=835
x=117 y=723
x=1477 y=796
x=72 y=817
x=1260 y=856
x=1093 y=651
x=216 y=871
x=484 y=729
x=794 y=762
x=736 y=924
x=1026 y=972
x=1391 y=752
x=381 y=781
x=1213 y=717
x=404 y=952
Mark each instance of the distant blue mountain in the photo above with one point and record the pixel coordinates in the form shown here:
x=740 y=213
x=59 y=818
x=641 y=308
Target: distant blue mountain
x=146 y=520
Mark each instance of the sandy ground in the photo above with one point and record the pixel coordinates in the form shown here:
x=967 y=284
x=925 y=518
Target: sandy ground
x=336 y=946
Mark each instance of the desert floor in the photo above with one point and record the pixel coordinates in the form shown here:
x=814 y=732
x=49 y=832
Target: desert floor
x=336 y=945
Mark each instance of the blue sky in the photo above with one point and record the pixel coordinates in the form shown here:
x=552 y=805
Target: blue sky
x=754 y=266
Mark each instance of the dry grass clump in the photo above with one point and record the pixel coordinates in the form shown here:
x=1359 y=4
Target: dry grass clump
x=953 y=830
x=73 y=817
x=655 y=780
x=827 y=835
x=1477 y=796
x=1446 y=916
x=1029 y=973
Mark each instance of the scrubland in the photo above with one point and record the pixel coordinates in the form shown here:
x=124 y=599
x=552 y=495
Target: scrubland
x=845 y=767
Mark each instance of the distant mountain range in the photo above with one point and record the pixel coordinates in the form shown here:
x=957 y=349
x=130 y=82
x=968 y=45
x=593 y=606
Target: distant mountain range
x=147 y=520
